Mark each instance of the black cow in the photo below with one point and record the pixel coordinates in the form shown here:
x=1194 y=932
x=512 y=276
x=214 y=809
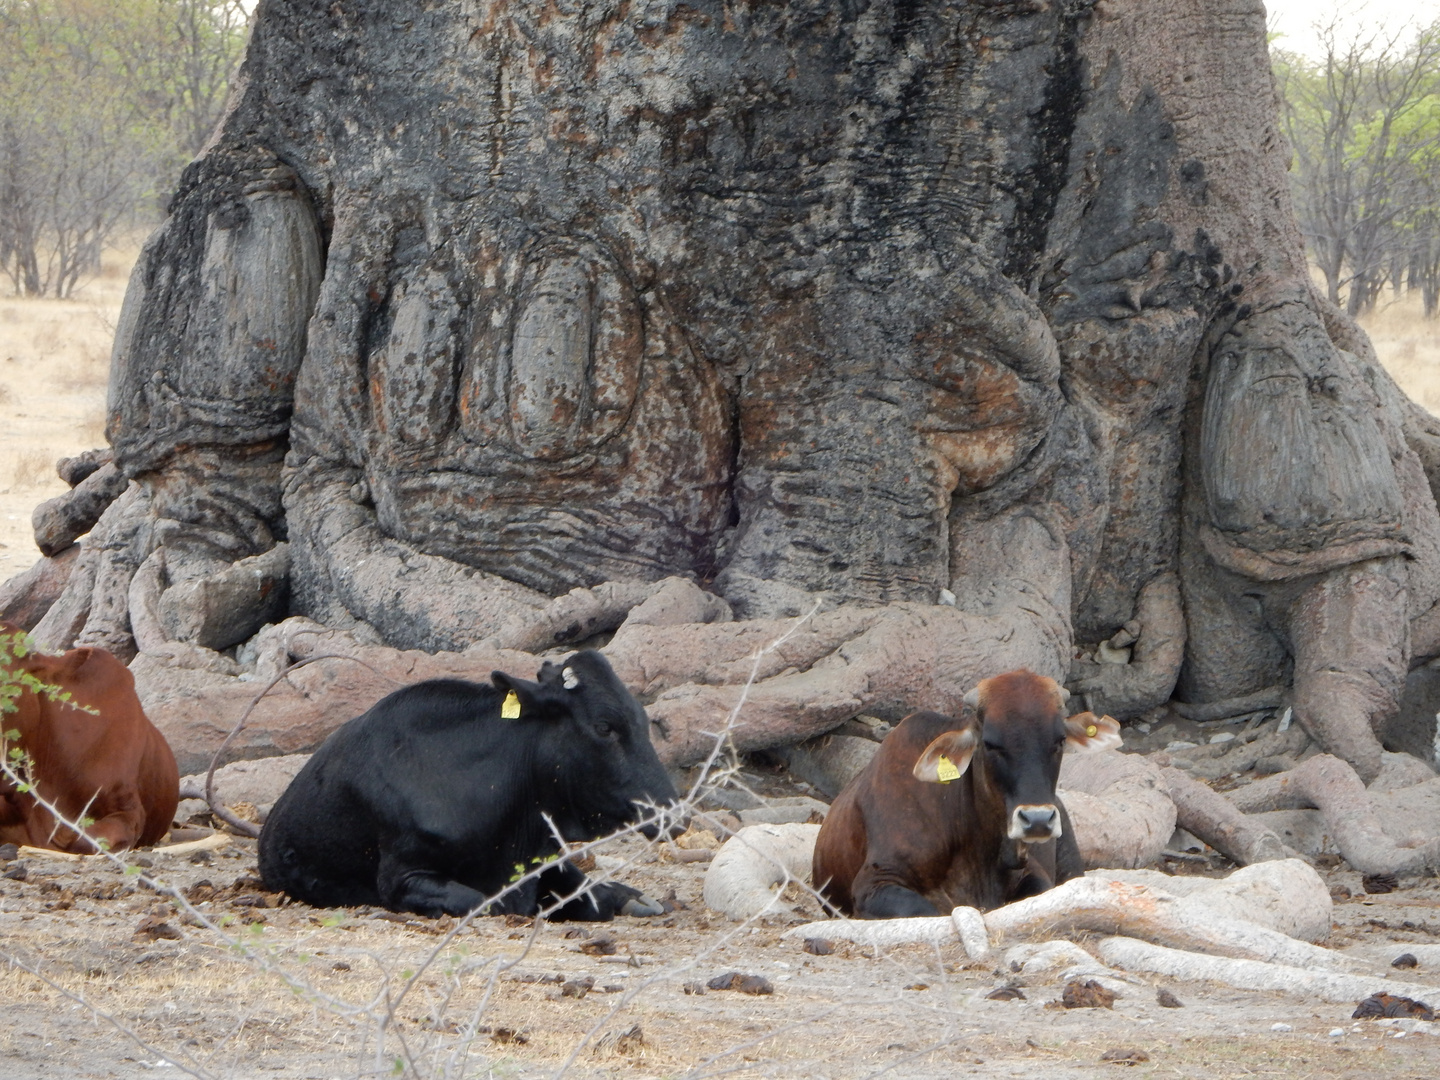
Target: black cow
x=432 y=800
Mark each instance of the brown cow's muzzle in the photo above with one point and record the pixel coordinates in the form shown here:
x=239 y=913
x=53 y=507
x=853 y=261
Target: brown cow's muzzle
x=1031 y=824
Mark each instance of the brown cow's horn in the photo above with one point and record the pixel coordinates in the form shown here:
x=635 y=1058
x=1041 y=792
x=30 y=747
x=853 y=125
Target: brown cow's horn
x=1064 y=695
x=972 y=698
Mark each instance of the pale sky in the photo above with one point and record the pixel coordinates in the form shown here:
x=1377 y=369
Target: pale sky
x=1296 y=18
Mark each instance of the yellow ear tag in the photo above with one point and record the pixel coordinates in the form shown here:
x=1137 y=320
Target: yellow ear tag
x=510 y=707
x=946 y=770
x=1091 y=731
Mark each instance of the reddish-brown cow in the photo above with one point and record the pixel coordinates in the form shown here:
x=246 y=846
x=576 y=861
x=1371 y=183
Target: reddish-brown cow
x=112 y=765
x=952 y=812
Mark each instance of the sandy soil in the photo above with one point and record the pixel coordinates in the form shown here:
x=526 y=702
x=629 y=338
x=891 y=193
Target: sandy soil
x=910 y=1012
x=54 y=365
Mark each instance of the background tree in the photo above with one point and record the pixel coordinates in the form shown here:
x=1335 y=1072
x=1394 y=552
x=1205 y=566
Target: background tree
x=101 y=103
x=1364 y=125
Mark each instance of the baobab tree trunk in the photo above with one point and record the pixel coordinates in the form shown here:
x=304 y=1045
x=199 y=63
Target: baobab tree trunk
x=983 y=326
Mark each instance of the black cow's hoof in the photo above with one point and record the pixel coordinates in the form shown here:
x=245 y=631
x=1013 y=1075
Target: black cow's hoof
x=642 y=906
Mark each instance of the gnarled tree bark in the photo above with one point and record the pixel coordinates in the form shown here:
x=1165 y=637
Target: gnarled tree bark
x=982 y=326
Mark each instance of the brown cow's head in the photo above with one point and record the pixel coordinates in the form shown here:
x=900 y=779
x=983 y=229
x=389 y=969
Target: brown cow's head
x=1021 y=730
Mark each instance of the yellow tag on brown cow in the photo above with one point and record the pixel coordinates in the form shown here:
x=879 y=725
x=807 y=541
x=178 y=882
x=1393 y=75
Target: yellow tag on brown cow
x=510 y=707
x=946 y=770
x=1091 y=731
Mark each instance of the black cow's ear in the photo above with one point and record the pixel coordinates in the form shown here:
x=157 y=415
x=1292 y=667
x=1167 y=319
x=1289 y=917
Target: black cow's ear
x=947 y=757
x=1085 y=732
x=524 y=698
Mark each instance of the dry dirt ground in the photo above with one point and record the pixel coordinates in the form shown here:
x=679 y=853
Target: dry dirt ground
x=915 y=1011
x=54 y=364
x=200 y=999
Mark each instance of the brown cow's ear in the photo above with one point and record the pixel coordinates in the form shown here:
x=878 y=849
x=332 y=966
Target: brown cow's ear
x=947 y=757
x=1085 y=732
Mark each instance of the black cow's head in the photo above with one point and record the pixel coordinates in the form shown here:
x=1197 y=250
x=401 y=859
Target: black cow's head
x=1021 y=730
x=591 y=746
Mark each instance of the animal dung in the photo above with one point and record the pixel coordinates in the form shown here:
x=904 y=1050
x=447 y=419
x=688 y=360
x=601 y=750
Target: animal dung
x=577 y=988
x=1389 y=1006
x=746 y=984
x=1125 y=1056
x=626 y=1041
x=599 y=945
x=1379 y=883
x=1088 y=994
x=156 y=928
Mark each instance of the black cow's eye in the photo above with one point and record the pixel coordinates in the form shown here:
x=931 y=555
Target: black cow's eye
x=604 y=730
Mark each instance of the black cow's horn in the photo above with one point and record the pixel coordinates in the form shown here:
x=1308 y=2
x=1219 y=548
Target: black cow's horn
x=569 y=679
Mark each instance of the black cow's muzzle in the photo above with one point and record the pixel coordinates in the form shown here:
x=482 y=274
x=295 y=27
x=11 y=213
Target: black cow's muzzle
x=661 y=822
x=1032 y=824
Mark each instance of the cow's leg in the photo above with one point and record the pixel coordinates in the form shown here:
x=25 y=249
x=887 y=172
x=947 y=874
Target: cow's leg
x=601 y=902
x=405 y=886
x=879 y=896
x=119 y=821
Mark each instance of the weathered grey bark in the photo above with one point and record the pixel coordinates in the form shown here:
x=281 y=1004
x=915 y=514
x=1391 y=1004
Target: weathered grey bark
x=984 y=326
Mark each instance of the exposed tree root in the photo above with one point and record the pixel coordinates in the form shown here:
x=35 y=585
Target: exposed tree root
x=1333 y=787
x=1216 y=820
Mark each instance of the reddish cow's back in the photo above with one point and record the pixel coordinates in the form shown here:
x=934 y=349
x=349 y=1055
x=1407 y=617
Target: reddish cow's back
x=112 y=765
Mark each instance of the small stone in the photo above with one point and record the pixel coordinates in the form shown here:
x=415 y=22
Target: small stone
x=1337 y=1033
x=9 y=852
x=1405 y=960
x=340 y=965
x=16 y=872
x=1179 y=744
x=697 y=988
x=1281 y=1027
x=819 y=946
x=1166 y=1000
x=918 y=986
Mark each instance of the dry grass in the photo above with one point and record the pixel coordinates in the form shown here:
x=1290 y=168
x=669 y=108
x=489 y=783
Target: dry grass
x=1409 y=346
x=54 y=367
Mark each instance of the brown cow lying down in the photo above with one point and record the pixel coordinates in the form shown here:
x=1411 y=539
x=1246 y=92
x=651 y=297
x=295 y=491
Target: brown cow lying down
x=960 y=812
x=113 y=765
